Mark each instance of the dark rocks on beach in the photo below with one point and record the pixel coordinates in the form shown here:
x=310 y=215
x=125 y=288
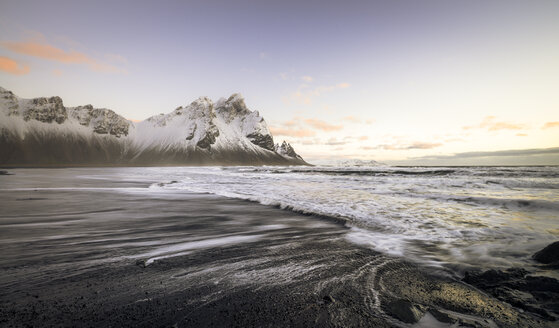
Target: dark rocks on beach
x=442 y=317
x=404 y=311
x=4 y=172
x=141 y=263
x=535 y=294
x=548 y=255
x=328 y=299
x=491 y=278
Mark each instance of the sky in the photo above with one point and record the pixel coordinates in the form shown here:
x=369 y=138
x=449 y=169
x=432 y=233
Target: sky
x=401 y=82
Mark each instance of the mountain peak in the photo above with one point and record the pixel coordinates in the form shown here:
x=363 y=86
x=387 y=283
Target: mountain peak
x=286 y=150
x=202 y=101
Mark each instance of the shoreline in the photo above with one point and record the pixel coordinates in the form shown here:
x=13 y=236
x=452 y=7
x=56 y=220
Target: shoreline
x=215 y=261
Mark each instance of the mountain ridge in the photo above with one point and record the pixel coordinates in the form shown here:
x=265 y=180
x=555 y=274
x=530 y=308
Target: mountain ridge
x=43 y=132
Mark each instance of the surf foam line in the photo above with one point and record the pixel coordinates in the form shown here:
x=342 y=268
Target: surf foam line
x=390 y=243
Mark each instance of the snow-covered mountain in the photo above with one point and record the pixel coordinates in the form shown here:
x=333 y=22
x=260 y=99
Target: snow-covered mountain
x=41 y=131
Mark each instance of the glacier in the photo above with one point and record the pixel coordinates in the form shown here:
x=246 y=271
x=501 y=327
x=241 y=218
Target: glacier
x=43 y=132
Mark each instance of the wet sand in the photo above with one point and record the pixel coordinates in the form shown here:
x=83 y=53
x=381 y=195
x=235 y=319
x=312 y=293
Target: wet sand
x=87 y=252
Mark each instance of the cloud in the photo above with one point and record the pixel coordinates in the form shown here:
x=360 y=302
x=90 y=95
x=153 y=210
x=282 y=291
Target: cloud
x=321 y=125
x=504 y=126
x=351 y=119
x=490 y=124
x=521 y=135
x=362 y=138
x=9 y=65
x=305 y=94
x=283 y=76
x=424 y=145
x=43 y=50
x=334 y=142
x=307 y=78
x=354 y=119
x=263 y=55
x=314 y=141
x=302 y=127
x=292 y=132
x=550 y=125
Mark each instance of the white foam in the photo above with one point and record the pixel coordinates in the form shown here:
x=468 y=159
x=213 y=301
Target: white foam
x=399 y=210
x=201 y=244
x=385 y=243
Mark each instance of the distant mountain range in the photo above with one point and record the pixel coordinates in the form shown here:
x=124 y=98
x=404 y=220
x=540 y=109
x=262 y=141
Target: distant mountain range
x=43 y=132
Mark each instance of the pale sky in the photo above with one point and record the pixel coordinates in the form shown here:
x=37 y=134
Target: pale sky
x=402 y=82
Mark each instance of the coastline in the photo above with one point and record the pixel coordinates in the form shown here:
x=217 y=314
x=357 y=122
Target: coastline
x=134 y=259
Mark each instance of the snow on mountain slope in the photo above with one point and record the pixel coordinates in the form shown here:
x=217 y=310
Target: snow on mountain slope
x=42 y=131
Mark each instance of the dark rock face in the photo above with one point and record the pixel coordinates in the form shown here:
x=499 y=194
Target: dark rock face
x=83 y=114
x=265 y=141
x=110 y=122
x=209 y=139
x=238 y=104
x=103 y=121
x=13 y=106
x=535 y=294
x=548 y=255
x=233 y=107
x=46 y=110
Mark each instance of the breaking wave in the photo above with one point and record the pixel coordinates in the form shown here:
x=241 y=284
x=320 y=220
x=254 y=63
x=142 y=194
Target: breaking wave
x=438 y=216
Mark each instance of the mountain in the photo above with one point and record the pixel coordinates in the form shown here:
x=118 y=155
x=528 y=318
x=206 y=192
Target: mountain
x=43 y=132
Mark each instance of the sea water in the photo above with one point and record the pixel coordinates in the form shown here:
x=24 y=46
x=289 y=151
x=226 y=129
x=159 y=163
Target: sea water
x=452 y=217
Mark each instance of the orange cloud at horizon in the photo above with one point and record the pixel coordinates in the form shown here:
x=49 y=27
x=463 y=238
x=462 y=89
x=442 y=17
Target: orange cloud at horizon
x=49 y=52
x=551 y=125
x=490 y=124
x=324 y=126
x=290 y=132
x=9 y=65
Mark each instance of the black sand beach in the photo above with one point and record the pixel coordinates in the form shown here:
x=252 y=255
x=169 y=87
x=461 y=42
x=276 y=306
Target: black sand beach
x=102 y=254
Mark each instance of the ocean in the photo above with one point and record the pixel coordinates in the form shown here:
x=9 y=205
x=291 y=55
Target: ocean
x=453 y=217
